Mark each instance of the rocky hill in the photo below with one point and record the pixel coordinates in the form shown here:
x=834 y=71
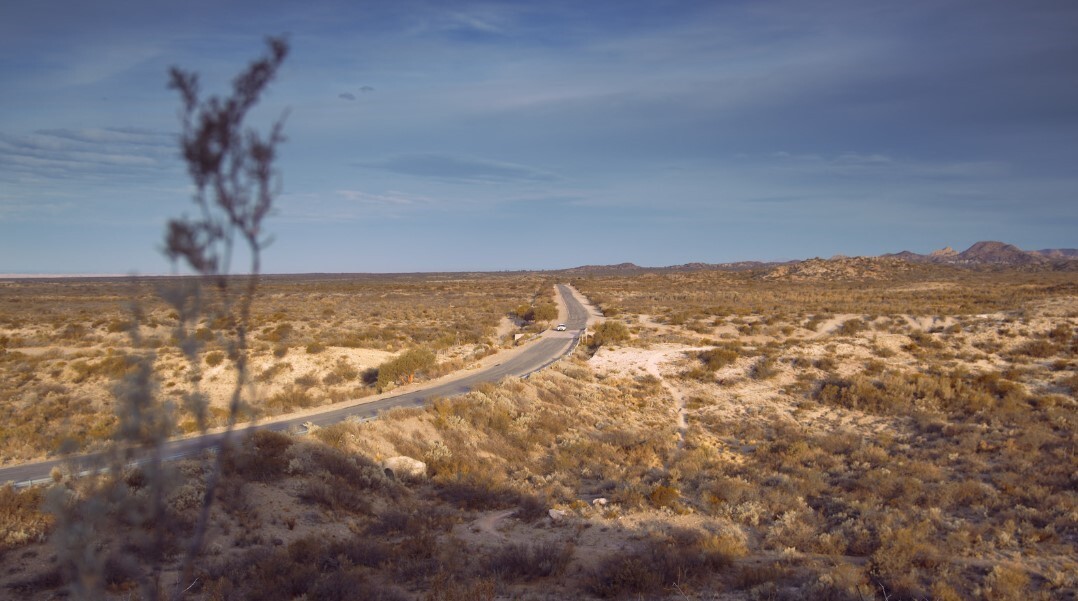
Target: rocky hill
x=1057 y=253
x=995 y=253
x=990 y=253
x=843 y=268
x=736 y=266
x=619 y=269
x=944 y=253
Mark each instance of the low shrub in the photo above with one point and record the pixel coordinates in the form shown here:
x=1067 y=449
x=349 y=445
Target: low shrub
x=113 y=366
x=335 y=494
x=360 y=551
x=664 y=496
x=306 y=381
x=21 y=518
x=531 y=509
x=342 y=372
x=545 y=312
x=404 y=369
x=609 y=331
x=271 y=372
x=850 y=327
x=1036 y=349
x=688 y=556
x=1006 y=583
x=277 y=334
x=518 y=561
x=356 y=470
x=922 y=341
x=478 y=493
x=214 y=358
x=764 y=369
x=1062 y=333
x=619 y=576
x=955 y=391
x=290 y=399
x=261 y=456
x=341 y=585
x=117 y=325
x=826 y=363
x=899 y=561
x=718 y=358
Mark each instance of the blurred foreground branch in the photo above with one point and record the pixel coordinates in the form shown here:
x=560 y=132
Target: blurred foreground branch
x=232 y=168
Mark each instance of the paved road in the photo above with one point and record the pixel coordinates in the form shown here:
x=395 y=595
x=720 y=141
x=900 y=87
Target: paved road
x=537 y=355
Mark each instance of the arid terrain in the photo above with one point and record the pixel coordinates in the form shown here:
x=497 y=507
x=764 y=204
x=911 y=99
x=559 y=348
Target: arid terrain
x=315 y=340
x=842 y=429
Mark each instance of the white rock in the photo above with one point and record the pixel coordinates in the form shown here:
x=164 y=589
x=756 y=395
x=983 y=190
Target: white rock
x=600 y=502
x=556 y=515
x=404 y=467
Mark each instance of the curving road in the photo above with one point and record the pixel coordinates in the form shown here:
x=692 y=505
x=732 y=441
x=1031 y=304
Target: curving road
x=550 y=347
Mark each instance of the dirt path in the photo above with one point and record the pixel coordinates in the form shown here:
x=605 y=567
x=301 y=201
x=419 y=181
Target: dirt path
x=488 y=524
x=928 y=322
x=651 y=361
x=505 y=327
x=485 y=528
x=828 y=327
x=652 y=367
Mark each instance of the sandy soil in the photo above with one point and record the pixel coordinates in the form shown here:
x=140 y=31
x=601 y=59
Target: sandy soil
x=732 y=394
x=218 y=381
x=828 y=327
x=505 y=327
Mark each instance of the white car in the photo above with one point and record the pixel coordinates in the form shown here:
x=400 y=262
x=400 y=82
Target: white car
x=560 y=328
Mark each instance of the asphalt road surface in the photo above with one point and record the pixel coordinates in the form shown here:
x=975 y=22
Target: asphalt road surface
x=534 y=357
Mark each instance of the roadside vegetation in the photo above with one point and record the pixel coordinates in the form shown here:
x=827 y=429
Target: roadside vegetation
x=65 y=345
x=917 y=447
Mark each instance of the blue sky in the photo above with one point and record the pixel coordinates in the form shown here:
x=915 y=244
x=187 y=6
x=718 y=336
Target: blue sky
x=428 y=136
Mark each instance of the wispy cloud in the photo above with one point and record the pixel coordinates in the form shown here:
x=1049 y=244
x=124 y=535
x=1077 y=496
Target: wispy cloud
x=488 y=23
x=392 y=198
x=11 y=208
x=347 y=205
x=877 y=165
x=86 y=154
x=473 y=22
x=351 y=96
x=457 y=168
x=106 y=60
x=89 y=175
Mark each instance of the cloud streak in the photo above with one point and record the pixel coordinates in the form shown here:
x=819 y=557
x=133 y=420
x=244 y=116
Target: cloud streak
x=458 y=168
x=86 y=153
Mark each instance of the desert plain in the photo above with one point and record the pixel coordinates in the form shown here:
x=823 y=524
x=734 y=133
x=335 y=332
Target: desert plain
x=865 y=428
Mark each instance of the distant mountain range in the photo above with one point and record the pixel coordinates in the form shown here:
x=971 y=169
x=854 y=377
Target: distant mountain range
x=1057 y=253
x=990 y=253
x=982 y=254
x=633 y=268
